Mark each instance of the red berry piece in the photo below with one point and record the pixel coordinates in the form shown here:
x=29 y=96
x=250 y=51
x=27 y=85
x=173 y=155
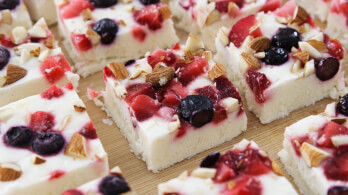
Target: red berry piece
x=330 y=129
x=287 y=10
x=73 y=192
x=186 y=4
x=241 y=30
x=4 y=57
x=113 y=184
x=7 y=42
x=81 y=42
x=210 y=160
x=74 y=8
x=191 y=71
x=209 y=92
x=41 y=121
x=88 y=131
x=258 y=83
x=52 y=92
x=56 y=174
x=166 y=113
x=69 y=86
x=139 y=33
x=226 y=89
x=54 y=68
x=326 y=68
x=48 y=143
x=220 y=114
x=271 y=5
x=18 y=136
x=246 y=186
x=222 y=5
x=336 y=167
x=149 y=16
x=335 y=47
x=167 y=57
x=139 y=89
x=144 y=107
x=338 y=190
x=107 y=72
x=224 y=173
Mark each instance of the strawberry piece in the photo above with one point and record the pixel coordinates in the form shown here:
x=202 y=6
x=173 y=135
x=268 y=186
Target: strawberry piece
x=56 y=174
x=335 y=47
x=246 y=186
x=338 y=7
x=81 y=42
x=74 y=8
x=176 y=46
x=297 y=142
x=73 y=192
x=209 y=92
x=271 y=5
x=69 y=86
x=241 y=30
x=167 y=57
x=6 y=41
x=92 y=94
x=222 y=5
x=287 y=10
x=41 y=121
x=191 y=71
x=149 y=16
x=171 y=100
x=224 y=173
x=139 y=89
x=89 y=131
x=258 y=83
x=226 y=89
x=186 y=4
x=144 y=107
x=336 y=167
x=166 y=113
x=330 y=129
x=54 y=68
x=220 y=114
x=139 y=33
x=107 y=72
x=52 y=92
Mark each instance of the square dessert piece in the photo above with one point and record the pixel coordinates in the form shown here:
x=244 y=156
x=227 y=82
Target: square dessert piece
x=173 y=104
x=246 y=169
x=55 y=144
x=112 y=184
x=42 y=8
x=98 y=32
x=337 y=21
x=30 y=62
x=13 y=13
x=281 y=63
x=204 y=17
x=317 y=8
x=315 y=151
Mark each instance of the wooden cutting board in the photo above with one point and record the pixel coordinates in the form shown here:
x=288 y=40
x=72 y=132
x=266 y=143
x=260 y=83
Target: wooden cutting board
x=269 y=137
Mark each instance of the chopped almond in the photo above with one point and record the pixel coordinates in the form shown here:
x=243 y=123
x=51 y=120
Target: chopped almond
x=87 y=14
x=302 y=55
x=165 y=12
x=37 y=160
x=232 y=9
x=93 y=36
x=76 y=147
x=213 y=17
x=276 y=169
x=204 y=172
x=217 y=71
x=49 y=43
x=14 y=73
x=6 y=16
x=300 y=15
x=260 y=44
x=79 y=108
x=252 y=62
x=193 y=44
x=160 y=75
x=312 y=155
x=9 y=172
x=319 y=45
x=35 y=52
x=119 y=70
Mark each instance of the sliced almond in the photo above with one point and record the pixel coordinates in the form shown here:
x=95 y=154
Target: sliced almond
x=120 y=91
x=116 y=170
x=6 y=114
x=339 y=140
x=276 y=169
x=231 y=104
x=119 y=70
x=39 y=30
x=87 y=14
x=296 y=67
x=37 y=160
x=232 y=9
x=313 y=52
x=165 y=12
x=160 y=75
x=127 y=1
x=18 y=35
x=6 y=16
x=260 y=44
x=122 y=23
x=25 y=56
x=93 y=36
x=44 y=55
x=255 y=27
x=76 y=147
x=175 y=125
x=217 y=71
x=302 y=55
x=35 y=52
x=2 y=81
x=49 y=43
x=319 y=45
x=14 y=73
x=64 y=122
x=309 y=68
x=312 y=155
x=79 y=108
x=9 y=172
x=183 y=175
x=204 y=172
x=213 y=17
x=223 y=37
x=260 y=55
x=193 y=43
x=207 y=54
x=339 y=120
x=300 y=15
x=252 y=62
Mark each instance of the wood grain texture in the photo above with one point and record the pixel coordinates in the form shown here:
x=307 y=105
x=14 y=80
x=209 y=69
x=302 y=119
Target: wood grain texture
x=269 y=137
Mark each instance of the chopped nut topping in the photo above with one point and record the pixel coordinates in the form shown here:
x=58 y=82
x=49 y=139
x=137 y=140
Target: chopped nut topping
x=165 y=12
x=116 y=170
x=19 y=35
x=302 y=55
x=300 y=15
x=64 y=122
x=93 y=36
x=260 y=55
x=216 y=71
x=309 y=68
x=260 y=44
x=232 y=9
x=313 y=52
x=14 y=73
x=79 y=108
x=231 y=104
x=339 y=140
x=9 y=171
x=252 y=62
x=276 y=169
x=49 y=43
x=312 y=155
x=204 y=172
x=296 y=67
x=76 y=147
x=6 y=16
x=183 y=175
x=213 y=17
x=87 y=14
x=2 y=81
x=339 y=120
x=122 y=22
x=319 y=45
x=160 y=75
x=193 y=44
x=37 y=160
x=175 y=125
x=119 y=70
x=35 y=52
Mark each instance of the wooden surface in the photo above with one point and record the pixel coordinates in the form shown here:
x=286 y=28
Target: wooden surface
x=269 y=137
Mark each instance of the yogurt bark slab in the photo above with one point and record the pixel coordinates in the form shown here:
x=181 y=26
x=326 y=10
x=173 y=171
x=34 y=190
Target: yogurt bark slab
x=204 y=18
x=119 y=30
x=31 y=61
x=114 y=184
x=42 y=9
x=281 y=61
x=173 y=104
x=48 y=144
x=315 y=151
x=246 y=169
x=13 y=13
x=337 y=21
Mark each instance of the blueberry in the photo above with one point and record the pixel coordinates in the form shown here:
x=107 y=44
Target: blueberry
x=149 y=2
x=338 y=190
x=342 y=105
x=4 y=56
x=103 y=3
x=107 y=29
x=113 y=184
x=275 y=56
x=48 y=143
x=129 y=62
x=286 y=38
x=198 y=110
x=18 y=136
x=210 y=160
x=8 y=4
x=326 y=68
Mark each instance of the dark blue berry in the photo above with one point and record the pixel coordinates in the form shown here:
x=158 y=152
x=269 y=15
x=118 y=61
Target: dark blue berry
x=107 y=29
x=113 y=185
x=103 y=3
x=342 y=105
x=129 y=62
x=198 y=110
x=18 y=136
x=338 y=190
x=210 y=160
x=4 y=56
x=275 y=56
x=286 y=38
x=48 y=143
x=326 y=68
x=149 y=2
x=8 y=4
